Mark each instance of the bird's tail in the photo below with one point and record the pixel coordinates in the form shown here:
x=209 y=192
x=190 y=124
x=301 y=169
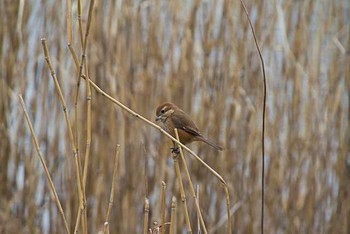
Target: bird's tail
x=201 y=138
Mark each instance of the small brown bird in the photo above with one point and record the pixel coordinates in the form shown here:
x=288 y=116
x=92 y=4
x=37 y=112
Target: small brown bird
x=172 y=117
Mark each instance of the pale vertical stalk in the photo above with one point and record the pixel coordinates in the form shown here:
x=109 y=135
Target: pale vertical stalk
x=199 y=213
x=80 y=24
x=69 y=33
x=80 y=68
x=106 y=228
x=263 y=122
x=172 y=216
x=88 y=106
x=87 y=149
x=37 y=147
x=88 y=96
x=229 y=221
x=69 y=21
x=69 y=126
x=162 y=225
x=79 y=77
x=77 y=221
x=114 y=180
x=198 y=220
x=182 y=193
x=75 y=58
x=146 y=216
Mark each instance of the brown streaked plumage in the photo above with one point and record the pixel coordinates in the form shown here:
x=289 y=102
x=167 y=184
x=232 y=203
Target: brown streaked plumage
x=172 y=117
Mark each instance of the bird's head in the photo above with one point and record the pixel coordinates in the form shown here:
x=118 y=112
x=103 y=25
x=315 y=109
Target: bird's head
x=164 y=110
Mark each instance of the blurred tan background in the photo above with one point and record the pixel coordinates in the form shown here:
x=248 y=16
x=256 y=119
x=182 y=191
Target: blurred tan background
x=200 y=55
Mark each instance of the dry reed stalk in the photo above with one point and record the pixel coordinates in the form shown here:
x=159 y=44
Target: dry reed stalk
x=43 y=163
x=146 y=216
x=182 y=192
x=77 y=222
x=71 y=49
x=69 y=21
x=229 y=220
x=80 y=24
x=199 y=213
x=162 y=198
x=173 y=216
x=152 y=57
x=135 y=114
x=71 y=137
x=79 y=66
x=198 y=220
x=106 y=228
x=263 y=125
x=88 y=106
x=114 y=180
x=83 y=63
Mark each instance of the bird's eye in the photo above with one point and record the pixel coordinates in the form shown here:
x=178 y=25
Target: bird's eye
x=162 y=111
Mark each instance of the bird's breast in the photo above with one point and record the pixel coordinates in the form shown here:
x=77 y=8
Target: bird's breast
x=168 y=126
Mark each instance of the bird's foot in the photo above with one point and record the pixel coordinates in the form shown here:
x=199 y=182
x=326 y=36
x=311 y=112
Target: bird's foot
x=175 y=150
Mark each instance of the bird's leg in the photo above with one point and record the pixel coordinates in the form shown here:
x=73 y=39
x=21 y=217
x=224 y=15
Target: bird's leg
x=175 y=149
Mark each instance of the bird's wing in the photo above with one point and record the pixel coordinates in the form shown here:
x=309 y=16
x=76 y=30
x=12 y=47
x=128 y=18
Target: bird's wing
x=182 y=121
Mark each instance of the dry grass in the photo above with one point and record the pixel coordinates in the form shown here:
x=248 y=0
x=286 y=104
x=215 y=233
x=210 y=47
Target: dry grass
x=201 y=56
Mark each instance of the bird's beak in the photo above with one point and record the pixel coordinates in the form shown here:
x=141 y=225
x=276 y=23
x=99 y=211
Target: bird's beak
x=158 y=118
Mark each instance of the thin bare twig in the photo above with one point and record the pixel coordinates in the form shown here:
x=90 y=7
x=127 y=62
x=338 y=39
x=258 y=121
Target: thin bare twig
x=69 y=126
x=182 y=192
x=172 y=217
x=106 y=228
x=114 y=180
x=162 y=224
x=199 y=213
x=146 y=216
x=37 y=147
x=198 y=220
x=228 y=207
x=88 y=107
x=263 y=121
x=77 y=220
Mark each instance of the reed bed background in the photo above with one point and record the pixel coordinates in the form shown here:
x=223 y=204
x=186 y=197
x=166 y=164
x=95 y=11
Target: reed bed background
x=200 y=55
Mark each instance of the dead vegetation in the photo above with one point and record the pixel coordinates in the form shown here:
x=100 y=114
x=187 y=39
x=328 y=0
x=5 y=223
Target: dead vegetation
x=201 y=56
